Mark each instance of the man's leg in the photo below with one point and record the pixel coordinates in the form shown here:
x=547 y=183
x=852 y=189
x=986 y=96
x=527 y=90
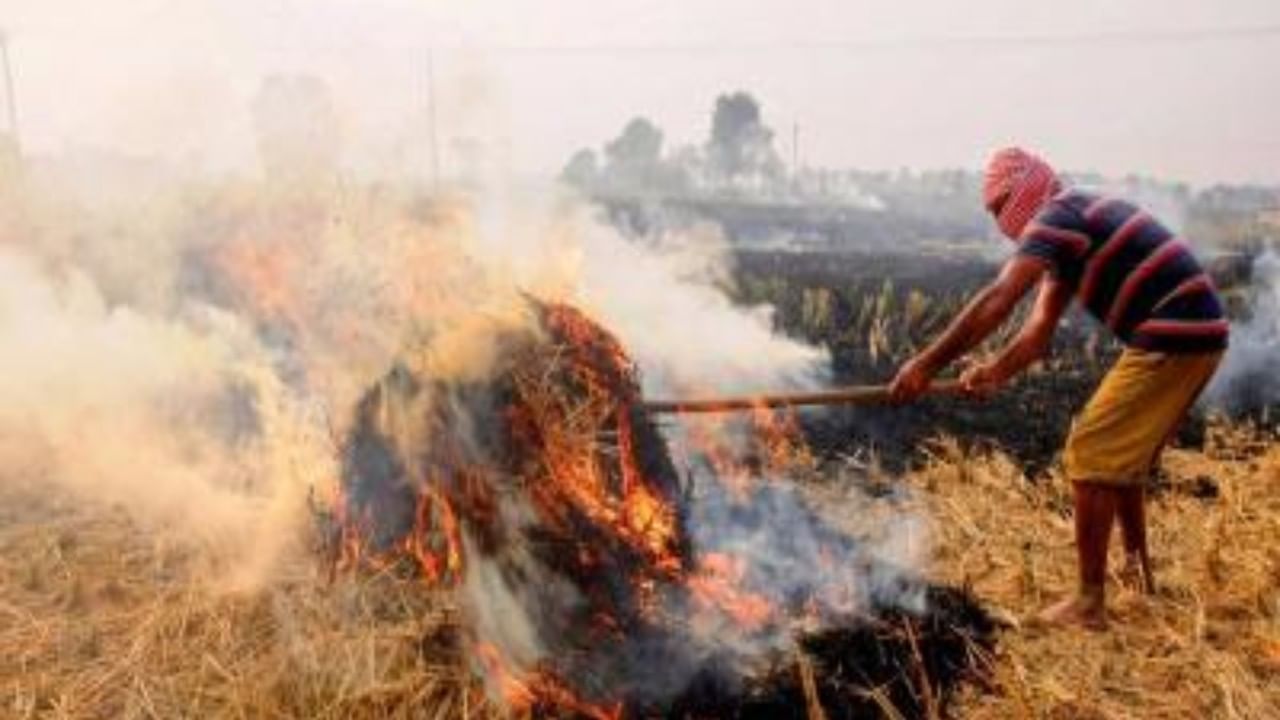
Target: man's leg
x=1133 y=527
x=1132 y=511
x=1095 y=511
x=1114 y=441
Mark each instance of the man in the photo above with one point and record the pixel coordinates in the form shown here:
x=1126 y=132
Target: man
x=1135 y=277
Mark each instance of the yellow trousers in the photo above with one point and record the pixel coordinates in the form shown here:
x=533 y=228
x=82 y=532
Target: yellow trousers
x=1119 y=434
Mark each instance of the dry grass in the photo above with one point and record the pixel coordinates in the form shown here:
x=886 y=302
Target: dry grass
x=1207 y=645
x=99 y=619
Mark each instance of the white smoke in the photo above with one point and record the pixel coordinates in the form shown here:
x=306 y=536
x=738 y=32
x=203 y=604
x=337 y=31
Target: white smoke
x=1249 y=378
x=192 y=354
x=125 y=408
x=667 y=302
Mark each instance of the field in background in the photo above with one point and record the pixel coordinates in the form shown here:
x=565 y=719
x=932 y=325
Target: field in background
x=873 y=311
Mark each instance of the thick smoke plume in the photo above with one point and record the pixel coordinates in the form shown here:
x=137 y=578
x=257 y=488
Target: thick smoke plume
x=193 y=348
x=189 y=347
x=86 y=385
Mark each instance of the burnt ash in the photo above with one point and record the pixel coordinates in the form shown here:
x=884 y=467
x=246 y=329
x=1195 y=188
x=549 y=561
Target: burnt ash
x=915 y=662
x=872 y=312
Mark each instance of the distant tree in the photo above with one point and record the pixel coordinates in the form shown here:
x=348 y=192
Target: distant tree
x=634 y=162
x=582 y=170
x=687 y=166
x=741 y=146
x=638 y=147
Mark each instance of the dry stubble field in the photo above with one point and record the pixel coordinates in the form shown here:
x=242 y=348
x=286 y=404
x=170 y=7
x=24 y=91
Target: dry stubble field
x=99 y=618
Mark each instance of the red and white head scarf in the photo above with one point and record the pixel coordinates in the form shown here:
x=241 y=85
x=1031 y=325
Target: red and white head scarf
x=1017 y=185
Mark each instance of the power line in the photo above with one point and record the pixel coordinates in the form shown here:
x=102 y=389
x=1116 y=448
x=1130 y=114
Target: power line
x=1103 y=37
x=12 y=100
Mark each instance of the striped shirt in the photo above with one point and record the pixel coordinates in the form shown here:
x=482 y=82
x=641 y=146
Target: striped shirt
x=1129 y=272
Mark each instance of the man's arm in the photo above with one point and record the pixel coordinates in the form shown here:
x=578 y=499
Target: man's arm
x=983 y=315
x=1032 y=341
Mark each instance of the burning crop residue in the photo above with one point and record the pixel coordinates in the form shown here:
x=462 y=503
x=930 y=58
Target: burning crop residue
x=596 y=580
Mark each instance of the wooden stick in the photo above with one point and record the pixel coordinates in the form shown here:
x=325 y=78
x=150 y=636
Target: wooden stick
x=853 y=395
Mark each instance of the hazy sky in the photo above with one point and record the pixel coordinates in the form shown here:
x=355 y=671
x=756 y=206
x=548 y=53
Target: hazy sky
x=1113 y=85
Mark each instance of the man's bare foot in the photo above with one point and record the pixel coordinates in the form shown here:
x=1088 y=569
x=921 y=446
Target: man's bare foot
x=1083 y=610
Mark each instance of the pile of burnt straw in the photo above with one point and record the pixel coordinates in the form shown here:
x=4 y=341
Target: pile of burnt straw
x=543 y=491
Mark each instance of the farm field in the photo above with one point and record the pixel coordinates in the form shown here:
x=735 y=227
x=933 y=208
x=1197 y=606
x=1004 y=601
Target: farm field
x=596 y=360
x=104 y=620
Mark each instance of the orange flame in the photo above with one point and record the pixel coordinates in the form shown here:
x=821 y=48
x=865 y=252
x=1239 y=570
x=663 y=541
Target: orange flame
x=434 y=544
x=567 y=479
x=437 y=563
x=523 y=694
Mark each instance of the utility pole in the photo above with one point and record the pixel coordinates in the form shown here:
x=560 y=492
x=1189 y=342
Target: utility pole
x=11 y=99
x=795 y=148
x=795 y=157
x=434 y=134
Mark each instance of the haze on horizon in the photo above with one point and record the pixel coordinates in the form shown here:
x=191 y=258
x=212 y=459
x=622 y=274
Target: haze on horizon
x=1178 y=89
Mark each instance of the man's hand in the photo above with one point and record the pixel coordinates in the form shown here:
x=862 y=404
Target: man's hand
x=912 y=381
x=983 y=379
x=982 y=316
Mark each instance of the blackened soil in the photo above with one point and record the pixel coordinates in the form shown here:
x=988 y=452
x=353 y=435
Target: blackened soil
x=873 y=312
